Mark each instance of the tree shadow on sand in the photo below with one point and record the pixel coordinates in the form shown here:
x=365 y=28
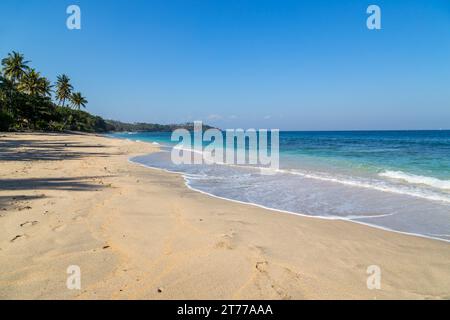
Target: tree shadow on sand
x=16 y=201
x=68 y=184
x=9 y=202
x=27 y=150
x=18 y=149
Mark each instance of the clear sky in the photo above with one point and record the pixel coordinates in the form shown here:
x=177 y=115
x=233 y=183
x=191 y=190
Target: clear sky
x=293 y=65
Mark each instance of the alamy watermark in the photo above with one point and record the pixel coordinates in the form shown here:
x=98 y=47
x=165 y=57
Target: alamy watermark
x=374 y=20
x=231 y=147
x=73 y=281
x=374 y=278
x=73 y=22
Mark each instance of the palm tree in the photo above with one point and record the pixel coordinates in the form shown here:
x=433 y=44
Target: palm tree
x=14 y=66
x=30 y=82
x=44 y=87
x=63 y=89
x=78 y=100
x=38 y=89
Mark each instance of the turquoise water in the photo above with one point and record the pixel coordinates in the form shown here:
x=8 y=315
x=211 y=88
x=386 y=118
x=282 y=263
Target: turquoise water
x=398 y=180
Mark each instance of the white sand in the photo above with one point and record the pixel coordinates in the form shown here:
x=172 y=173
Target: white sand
x=138 y=233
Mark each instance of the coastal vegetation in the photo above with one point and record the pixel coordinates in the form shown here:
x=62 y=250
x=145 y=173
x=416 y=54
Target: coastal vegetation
x=150 y=127
x=30 y=101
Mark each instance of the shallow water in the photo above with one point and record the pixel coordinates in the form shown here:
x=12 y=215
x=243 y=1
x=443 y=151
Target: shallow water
x=398 y=180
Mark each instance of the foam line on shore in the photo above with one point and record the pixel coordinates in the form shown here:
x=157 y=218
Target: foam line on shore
x=416 y=179
x=332 y=218
x=348 y=182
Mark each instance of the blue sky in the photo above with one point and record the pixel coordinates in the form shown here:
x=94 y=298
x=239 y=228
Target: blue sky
x=293 y=65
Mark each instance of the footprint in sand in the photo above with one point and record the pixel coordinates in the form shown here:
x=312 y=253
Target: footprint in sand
x=18 y=237
x=29 y=223
x=226 y=242
x=59 y=228
x=24 y=208
x=261 y=266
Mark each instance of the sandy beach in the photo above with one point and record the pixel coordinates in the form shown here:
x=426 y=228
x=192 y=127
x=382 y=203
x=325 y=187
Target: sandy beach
x=140 y=233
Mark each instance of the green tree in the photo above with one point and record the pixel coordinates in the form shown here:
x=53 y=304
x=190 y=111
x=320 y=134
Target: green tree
x=26 y=101
x=78 y=100
x=63 y=89
x=36 y=105
x=45 y=88
x=14 y=66
x=30 y=82
x=6 y=91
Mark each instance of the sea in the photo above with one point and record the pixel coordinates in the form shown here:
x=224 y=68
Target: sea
x=395 y=180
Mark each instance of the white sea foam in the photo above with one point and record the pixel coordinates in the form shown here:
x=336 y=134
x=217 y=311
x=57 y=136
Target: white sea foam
x=190 y=179
x=360 y=183
x=348 y=218
x=415 y=179
x=376 y=185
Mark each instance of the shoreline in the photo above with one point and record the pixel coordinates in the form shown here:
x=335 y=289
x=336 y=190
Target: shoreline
x=286 y=211
x=332 y=218
x=140 y=233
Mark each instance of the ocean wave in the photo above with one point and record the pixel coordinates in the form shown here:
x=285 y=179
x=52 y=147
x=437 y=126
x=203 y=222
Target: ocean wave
x=416 y=179
x=372 y=184
x=375 y=186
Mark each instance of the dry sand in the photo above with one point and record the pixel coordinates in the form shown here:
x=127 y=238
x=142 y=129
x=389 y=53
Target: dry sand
x=139 y=233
